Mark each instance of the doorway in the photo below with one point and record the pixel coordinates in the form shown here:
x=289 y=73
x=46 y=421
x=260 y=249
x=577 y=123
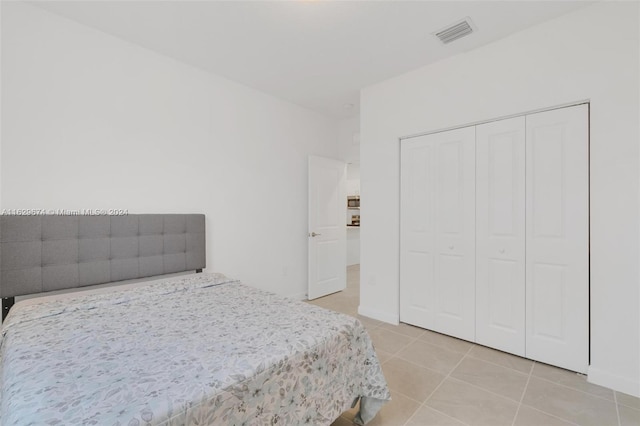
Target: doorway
x=348 y=299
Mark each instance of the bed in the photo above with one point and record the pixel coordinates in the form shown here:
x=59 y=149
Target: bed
x=198 y=349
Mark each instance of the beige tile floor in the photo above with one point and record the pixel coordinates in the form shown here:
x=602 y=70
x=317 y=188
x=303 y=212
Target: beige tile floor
x=439 y=380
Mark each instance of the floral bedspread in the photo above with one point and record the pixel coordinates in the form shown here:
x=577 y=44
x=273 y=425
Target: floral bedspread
x=196 y=350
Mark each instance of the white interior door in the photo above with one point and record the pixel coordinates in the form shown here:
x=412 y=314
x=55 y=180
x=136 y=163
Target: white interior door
x=557 y=237
x=327 y=226
x=500 y=235
x=437 y=260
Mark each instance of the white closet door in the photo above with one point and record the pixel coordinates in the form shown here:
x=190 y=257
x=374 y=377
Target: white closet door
x=500 y=235
x=557 y=276
x=437 y=260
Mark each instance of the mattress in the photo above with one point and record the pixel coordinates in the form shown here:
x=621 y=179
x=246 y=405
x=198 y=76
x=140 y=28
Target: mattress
x=197 y=350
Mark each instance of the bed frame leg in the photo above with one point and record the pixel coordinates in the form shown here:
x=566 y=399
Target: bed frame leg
x=7 y=303
x=198 y=271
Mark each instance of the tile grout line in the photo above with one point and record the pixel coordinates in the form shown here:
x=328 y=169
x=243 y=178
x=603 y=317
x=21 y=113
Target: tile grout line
x=551 y=415
x=627 y=405
x=575 y=389
x=524 y=391
x=485 y=390
x=394 y=354
x=545 y=379
x=464 y=353
x=422 y=366
x=615 y=401
x=406 y=396
x=540 y=410
x=400 y=334
x=501 y=365
x=439 y=412
x=438 y=387
x=418 y=338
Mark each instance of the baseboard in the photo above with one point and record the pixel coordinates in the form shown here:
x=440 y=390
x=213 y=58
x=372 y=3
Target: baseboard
x=378 y=315
x=299 y=296
x=619 y=383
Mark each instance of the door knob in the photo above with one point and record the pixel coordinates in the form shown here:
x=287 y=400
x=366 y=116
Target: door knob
x=313 y=234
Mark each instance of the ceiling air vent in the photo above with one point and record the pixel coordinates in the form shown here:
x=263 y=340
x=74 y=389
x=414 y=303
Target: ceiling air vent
x=455 y=31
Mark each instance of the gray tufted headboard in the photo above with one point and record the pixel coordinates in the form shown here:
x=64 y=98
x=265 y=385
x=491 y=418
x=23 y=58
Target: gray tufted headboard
x=50 y=252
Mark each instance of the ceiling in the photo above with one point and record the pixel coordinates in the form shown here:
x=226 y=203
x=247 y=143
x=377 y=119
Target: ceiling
x=313 y=53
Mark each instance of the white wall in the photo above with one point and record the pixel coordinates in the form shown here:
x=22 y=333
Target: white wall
x=349 y=139
x=91 y=121
x=593 y=54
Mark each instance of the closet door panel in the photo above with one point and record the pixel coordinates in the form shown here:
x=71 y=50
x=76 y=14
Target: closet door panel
x=500 y=235
x=438 y=232
x=417 y=290
x=557 y=277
